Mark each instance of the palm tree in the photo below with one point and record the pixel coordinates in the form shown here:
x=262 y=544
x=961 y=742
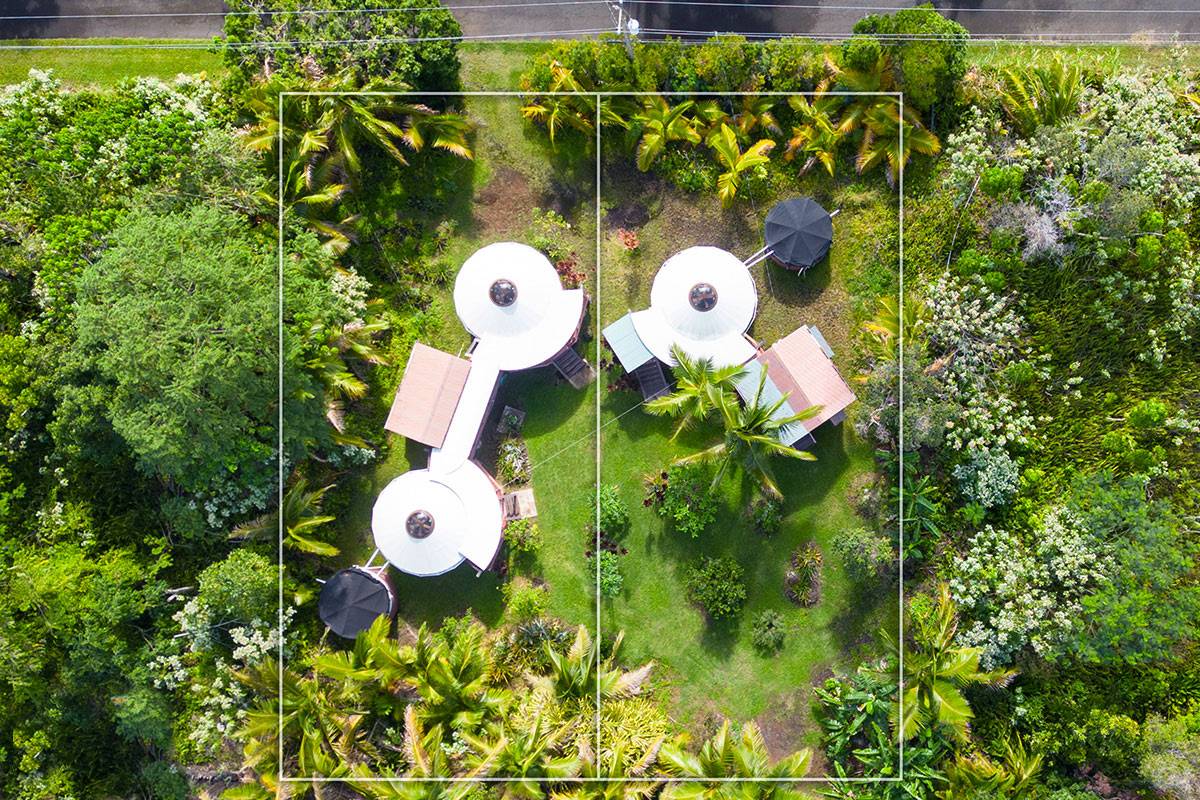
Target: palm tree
x=325 y=132
x=881 y=142
x=531 y=755
x=580 y=674
x=562 y=111
x=729 y=756
x=878 y=78
x=699 y=390
x=301 y=514
x=817 y=136
x=730 y=155
x=1038 y=96
x=757 y=114
x=453 y=680
x=658 y=124
x=936 y=670
x=751 y=437
x=426 y=757
x=622 y=774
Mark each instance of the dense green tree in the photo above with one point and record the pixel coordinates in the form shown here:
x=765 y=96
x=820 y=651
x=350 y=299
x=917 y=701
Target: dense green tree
x=1151 y=601
x=411 y=41
x=180 y=318
x=929 y=52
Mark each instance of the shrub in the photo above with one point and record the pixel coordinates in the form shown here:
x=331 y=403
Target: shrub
x=990 y=478
x=866 y=554
x=548 y=233
x=803 y=578
x=717 y=586
x=611 y=579
x=524 y=601
x=931 y=60
x=523 y=535
x=686 y=500
x=614 y=514
x=1002 y=182
x=512 y=462
x=1171 y=758
x=1148 y=414
x=766 y=515
x=768 y=632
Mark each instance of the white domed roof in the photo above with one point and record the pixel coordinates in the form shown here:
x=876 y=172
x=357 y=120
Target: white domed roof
x=509 y=296
x=703 y=299
x=427 y=523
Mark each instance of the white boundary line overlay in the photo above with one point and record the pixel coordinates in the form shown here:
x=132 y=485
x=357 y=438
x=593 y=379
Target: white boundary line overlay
x=660 y=779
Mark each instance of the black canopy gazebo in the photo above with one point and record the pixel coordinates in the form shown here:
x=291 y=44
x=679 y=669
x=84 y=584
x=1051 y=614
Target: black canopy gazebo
x=798 y=233
x=353 y=599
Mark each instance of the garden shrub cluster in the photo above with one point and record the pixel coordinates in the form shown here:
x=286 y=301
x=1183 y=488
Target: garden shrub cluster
x=718 y=586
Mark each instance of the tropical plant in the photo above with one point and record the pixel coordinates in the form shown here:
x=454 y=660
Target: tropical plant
x=336 y=350
x=426 y=755
x=527 y=754
x=922 y=511
x=936 y=670
x=736 y=162
x=659 y=123
x=300 y=513
x=751 y=438
x=1038 y=96
x=817 y=135
x=567 y=107
x=700 y=390
x=891 y=141
x=757 y=114
x=580 y=673
x=728 y=755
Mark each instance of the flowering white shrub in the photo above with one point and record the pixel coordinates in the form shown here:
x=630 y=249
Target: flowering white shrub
x=1020 y=594
x=989 y=478
x=978 y=334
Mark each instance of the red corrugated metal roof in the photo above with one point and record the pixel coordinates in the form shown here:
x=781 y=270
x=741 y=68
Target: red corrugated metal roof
x=428 y=394
x=798 y=366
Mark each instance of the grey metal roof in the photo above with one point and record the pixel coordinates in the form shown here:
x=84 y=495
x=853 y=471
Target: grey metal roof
x=623 y=338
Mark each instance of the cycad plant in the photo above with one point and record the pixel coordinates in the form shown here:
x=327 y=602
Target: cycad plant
x=1038 y=96
x=700 y=389
x=936 y=671
x=452 y=679
x=751 y=440
x=735 y=161
x=727 y=755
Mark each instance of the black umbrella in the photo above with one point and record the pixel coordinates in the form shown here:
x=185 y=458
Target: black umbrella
x=798 y=232
x=353 y=599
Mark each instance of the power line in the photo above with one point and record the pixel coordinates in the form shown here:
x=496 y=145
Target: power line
x=487 y=6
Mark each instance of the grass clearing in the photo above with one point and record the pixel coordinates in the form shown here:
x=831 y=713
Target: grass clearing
x=105 y=62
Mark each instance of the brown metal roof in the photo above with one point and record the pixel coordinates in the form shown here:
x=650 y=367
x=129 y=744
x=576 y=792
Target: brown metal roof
x=798 y=366
x=428 y=394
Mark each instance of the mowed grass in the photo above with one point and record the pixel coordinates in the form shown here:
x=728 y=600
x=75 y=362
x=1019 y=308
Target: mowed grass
x=711 y=669
x=104 y=62
x=508 y=178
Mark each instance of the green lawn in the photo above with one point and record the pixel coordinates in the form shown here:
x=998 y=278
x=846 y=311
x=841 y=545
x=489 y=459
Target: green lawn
x=712 y=670
x=103 y=62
